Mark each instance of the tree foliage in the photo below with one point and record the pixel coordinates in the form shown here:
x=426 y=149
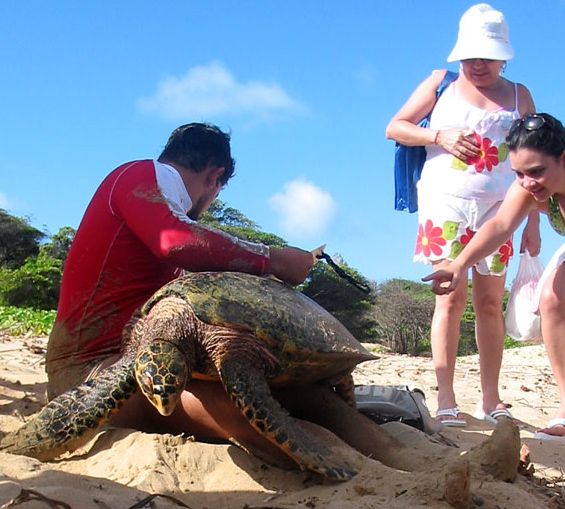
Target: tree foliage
x=30 y=274
x=18 y=240
x=220 y=214
x=348 y=304
x=59 y=244
x=403 y=311
x=235 y=223
x=35 y=284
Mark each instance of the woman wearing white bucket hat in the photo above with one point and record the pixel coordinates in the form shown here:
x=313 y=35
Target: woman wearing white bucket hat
x=463 y=182
x=483 y=33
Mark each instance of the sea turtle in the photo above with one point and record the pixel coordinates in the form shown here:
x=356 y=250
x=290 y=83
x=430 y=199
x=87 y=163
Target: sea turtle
x=249 y=332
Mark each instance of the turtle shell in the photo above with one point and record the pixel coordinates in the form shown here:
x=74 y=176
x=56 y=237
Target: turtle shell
x=295 y=328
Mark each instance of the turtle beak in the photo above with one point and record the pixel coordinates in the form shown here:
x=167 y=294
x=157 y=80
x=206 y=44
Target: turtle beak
x=163 y=380
x=164 y=397
x=162 y=394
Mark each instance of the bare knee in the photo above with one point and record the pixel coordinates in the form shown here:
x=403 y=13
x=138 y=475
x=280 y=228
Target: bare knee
x=452 y=304
x=487 y=295
x=488 y=305
x=551 y=305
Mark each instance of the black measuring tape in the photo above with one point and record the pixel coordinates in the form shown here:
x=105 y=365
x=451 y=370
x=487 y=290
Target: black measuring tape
x=341 y=273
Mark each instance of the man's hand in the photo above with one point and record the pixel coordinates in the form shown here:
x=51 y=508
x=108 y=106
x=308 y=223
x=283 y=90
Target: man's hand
x=291 y=264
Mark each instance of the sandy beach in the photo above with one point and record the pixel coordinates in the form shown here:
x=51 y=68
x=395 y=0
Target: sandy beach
x=123 y=468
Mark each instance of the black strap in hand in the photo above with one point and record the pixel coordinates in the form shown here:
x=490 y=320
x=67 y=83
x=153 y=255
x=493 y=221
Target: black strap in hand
x=340 y=272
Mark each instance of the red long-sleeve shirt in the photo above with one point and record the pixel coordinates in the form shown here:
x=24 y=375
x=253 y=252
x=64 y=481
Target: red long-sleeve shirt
x=134 y=237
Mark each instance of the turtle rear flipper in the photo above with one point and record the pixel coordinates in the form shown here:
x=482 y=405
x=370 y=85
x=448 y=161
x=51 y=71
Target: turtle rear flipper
x=249 y=390
x=71 y=419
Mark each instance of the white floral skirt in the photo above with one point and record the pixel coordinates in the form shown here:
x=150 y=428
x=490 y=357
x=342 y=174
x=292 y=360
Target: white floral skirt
x=446 y=225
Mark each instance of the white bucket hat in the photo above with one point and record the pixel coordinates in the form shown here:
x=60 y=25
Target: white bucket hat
x=483 y=33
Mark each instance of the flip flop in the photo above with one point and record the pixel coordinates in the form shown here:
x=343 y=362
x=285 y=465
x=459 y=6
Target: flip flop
x=540 y=435
x=450 y=417
x=491 y=417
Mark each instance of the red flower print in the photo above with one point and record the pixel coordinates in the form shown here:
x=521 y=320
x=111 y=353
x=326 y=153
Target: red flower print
x=467 y=236
x=429 y=239
x=506 y=251
x=488 y=155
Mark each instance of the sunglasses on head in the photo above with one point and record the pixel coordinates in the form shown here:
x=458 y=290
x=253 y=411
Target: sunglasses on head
x=530 y=122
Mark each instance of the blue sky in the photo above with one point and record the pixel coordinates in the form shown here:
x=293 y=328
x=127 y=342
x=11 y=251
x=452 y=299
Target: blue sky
x=305 y=87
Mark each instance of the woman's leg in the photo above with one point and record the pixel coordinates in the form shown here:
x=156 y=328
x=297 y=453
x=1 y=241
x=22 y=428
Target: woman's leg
x=552 y=310
x=489 y=331
x=445 y=338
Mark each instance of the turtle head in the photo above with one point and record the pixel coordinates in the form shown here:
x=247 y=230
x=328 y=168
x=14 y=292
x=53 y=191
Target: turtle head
x=162 y=373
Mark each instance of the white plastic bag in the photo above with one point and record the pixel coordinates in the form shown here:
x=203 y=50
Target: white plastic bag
x=522 y=323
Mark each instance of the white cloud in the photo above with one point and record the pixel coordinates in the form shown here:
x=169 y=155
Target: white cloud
x=211 y=90
x=4 y=203
x=303 y=208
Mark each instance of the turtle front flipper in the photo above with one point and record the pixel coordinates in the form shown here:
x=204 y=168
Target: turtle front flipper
x=71 y=419
x=247 y=387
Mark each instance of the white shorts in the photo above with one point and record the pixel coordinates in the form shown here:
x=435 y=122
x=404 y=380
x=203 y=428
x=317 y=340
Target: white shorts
x=446 y=225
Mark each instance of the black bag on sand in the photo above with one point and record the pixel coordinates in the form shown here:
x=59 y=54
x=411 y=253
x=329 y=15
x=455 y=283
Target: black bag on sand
x=399 y=403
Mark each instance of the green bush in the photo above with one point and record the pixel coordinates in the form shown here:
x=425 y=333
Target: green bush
x=33 y=285
x=18 y=321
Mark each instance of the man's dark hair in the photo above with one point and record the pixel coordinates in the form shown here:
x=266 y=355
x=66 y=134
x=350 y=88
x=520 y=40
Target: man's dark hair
x=198 y=146
x=540 y=131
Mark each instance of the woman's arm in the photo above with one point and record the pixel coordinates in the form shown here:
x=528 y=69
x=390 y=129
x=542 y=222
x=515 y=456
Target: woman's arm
x=531 y=238
x=517 y=204
x=525 y=101
x=403 y=126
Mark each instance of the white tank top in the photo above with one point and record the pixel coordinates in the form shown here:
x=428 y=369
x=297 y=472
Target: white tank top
x=487 y=178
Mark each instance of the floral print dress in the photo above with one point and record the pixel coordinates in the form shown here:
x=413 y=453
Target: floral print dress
x=456 y=197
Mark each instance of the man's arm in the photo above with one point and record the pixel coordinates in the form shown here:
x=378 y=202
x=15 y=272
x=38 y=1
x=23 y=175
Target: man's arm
x=160 y=221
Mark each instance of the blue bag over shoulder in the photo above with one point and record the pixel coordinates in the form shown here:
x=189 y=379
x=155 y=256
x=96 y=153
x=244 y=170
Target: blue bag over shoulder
x=409 y=161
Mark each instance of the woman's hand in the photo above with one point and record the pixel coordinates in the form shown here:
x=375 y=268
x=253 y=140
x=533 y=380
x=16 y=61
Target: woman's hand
x=462 y=144
x=531 y=239
x=451 y=274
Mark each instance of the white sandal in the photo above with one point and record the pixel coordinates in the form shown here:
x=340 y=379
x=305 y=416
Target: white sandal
x=540 y=435
x=450 y=417
x=493 y=416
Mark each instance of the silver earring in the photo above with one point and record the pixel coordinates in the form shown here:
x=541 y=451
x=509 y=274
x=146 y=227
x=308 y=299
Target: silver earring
x=503 y=68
